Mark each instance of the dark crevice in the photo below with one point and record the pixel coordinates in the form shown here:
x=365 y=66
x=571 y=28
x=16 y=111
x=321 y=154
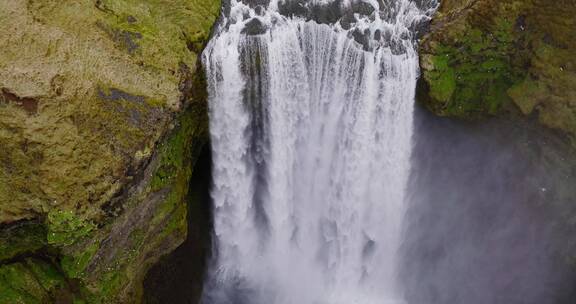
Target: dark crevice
x=30 y=105
x=178 y=277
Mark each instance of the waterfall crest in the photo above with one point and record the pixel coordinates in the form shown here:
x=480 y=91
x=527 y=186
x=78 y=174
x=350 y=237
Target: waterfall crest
x=311 y=120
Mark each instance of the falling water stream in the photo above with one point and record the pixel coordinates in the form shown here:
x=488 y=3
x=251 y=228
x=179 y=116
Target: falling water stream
x=311 y=117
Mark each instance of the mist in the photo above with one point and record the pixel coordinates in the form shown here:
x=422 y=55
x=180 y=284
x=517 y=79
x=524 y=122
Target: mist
x=484 y=221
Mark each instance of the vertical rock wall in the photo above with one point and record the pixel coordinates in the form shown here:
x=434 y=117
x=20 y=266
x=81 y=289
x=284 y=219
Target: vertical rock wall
x=102 y=115
x=486 y=57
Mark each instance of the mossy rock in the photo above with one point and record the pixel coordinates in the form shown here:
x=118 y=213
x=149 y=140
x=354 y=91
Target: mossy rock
x=112 y=263
x=488 y=57
x=102 y=112
x=87 y=89
x=34 y=281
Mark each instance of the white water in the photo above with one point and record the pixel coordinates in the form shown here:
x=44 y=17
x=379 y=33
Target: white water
x=311 y=139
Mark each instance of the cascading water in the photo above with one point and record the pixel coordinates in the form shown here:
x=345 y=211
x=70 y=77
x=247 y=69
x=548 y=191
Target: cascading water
x=311 y=121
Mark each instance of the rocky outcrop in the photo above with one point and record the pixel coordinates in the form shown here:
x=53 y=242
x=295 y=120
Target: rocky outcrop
x=489 y=57
x=102 y=115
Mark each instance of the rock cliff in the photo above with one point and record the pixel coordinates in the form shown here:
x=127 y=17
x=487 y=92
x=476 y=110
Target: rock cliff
x=102 y=115
x=509 y=66
x=487 y=57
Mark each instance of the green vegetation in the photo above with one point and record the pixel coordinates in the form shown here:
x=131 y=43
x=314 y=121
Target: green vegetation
x=173 y=169
x=66 y=228
x=469 y=77
x=74 y=265
x=94 y=169
x=106 y=80
x=495 y=57
x=31 y=281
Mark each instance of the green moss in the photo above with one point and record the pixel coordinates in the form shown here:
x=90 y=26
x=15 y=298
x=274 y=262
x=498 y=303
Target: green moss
x=174 y=172
x=153 y=31
x=505 y=55
x=113 y=112
x=66 y=228
x=74 y=265
x=112 y=281
x=471 y=74
x=106 y=290
x=80 y=149
x=167 y=225
x=18 y=285
x=442 y=79
x=132 y=119
x=46 y=274
x=29 y=282
x=174 y=153
x=173 y=209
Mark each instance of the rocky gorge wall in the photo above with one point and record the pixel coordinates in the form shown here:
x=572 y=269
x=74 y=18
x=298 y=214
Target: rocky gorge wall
x=487 y=57
x=102 y=117
x=507 y=68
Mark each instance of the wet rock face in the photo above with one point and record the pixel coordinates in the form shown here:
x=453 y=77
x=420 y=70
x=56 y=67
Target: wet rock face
x=362 y=37
x=255 y=3
x=293 y=8
x=179 y=276
x=348 y=15
x=330 y=12
x=254 y=27
x=487 y=57
x=101 y=111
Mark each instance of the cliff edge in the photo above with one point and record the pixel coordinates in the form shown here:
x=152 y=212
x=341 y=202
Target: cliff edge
x=102 y=115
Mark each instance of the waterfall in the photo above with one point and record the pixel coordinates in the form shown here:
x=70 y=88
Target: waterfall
x=311 y=120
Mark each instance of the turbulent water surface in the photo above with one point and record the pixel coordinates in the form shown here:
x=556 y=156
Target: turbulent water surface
x=311 y=109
